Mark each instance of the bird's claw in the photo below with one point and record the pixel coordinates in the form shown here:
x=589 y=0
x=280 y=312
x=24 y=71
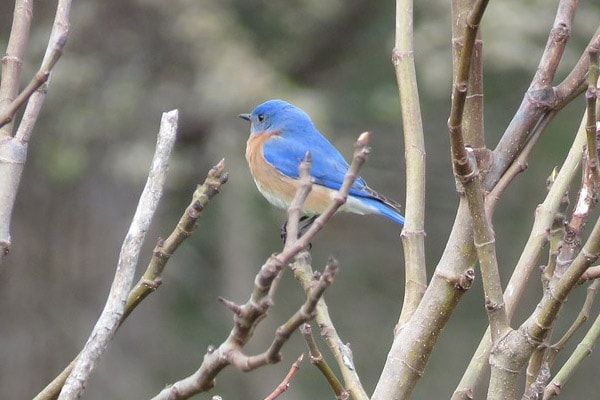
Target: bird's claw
x=306 y=222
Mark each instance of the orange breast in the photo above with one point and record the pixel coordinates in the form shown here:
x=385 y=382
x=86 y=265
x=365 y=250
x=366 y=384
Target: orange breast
x=277 y=188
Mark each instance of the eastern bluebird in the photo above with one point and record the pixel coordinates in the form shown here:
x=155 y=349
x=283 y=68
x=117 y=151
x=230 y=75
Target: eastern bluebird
x=280 y=136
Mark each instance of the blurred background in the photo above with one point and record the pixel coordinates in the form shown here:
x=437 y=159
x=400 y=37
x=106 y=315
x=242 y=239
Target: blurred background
x=127 y=61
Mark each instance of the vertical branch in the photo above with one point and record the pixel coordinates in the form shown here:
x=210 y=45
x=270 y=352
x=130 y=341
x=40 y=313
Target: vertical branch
x=591 y=97
x=485 y=244
x=111 y=316
x=60 y=31
x=415 y=341
x=413 y=234
x=13 y=150
x=473 y=116
x=460 y=161
x=467 y=174
x=405 y=361
x=544 y=217
x=12 y=62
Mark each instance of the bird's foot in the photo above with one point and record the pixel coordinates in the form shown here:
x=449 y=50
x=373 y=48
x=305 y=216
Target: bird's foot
x=305 y=223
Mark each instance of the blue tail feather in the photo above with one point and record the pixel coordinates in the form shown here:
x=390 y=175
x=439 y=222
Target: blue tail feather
x=384 y=209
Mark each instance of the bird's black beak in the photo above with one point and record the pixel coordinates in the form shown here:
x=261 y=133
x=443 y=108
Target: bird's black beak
x=245 y=116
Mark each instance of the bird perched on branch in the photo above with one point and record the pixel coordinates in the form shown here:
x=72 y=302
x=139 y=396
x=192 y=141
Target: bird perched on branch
x=280 y=136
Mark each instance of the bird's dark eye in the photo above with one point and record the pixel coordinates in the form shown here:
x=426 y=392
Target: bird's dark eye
x=261 y=117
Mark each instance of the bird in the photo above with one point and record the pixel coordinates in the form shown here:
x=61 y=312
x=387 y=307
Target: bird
x=281 y=134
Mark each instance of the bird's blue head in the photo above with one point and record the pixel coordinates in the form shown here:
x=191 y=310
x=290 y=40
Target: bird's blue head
x=276 y=115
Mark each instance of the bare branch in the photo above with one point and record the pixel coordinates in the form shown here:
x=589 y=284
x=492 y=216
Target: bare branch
x=341 y=352
x=283 y=333
x=113 y=312
x=295 y=208
x=60 y=31
x=249 y=315
x=13 y=151
x=541 y=98
x=544 y=218
x=38 y=80
x=316 y=358
x=511 y=353
x=583 y=350
x=467 y=173
x=151 y=279
x=591 y=273
x=12 y=62
x=582 y=317
x=186 y=226
x=285 y=384
x=413 y=233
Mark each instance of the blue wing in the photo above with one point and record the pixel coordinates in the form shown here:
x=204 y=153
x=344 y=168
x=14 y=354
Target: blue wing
x=328 y=167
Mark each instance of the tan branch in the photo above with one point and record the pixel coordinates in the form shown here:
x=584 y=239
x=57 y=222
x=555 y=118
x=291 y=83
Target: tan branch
x=317 y=359
x=413 y=234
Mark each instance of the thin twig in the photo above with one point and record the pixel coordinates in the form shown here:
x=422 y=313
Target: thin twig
x=282 y=334
x=583 y=350
x=361 y=152
x=295 y=208
x=341 y=352
x=285 y=384
x=38 y=80
x=582 y=317
x=317 y=359
x=591 y=97
x=114 y=309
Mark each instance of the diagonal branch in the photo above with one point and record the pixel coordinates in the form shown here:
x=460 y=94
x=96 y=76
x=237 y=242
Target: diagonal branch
x=541 y=97
x=316 y=358
x=306 y=312
x=114 y=309
x=583 y=350
x=248 y=315
x=467 y=173
x=341 y=352
x=38 y=80
x=151 y=279
x=285 y=384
